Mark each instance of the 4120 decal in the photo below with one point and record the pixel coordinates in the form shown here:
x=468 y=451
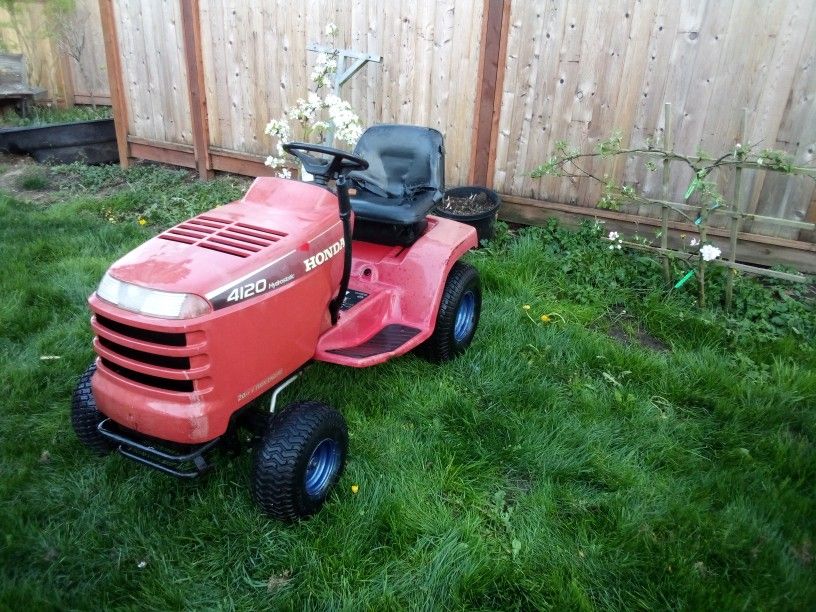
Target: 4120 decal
x=247 y=290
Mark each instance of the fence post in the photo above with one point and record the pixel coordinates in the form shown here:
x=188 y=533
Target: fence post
x=736 y=206
x=495 y=17
x=117 y=87
x=193 y=59
x=664 y=210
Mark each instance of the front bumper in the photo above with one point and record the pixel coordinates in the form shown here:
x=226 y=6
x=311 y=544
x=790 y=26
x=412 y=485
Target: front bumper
x=182 y=461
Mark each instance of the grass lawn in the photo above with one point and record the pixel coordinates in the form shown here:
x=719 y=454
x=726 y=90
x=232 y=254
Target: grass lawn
x=632 y=452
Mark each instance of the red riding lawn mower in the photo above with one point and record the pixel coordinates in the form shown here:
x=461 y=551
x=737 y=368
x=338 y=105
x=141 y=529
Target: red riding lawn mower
x=201 y=320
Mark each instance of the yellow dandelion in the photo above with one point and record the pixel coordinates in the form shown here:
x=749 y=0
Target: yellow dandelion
x=546 y=318
x=526 y=307
x=355 y=488
x=142 y=221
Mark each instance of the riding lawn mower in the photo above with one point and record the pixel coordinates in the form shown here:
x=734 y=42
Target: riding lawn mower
x=196 y=324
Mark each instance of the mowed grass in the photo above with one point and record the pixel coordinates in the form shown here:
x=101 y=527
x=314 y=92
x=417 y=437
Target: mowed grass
x=633 y=452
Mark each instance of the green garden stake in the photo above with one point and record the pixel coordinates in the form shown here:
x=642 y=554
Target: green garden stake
x=695 y=184
x=683 y=280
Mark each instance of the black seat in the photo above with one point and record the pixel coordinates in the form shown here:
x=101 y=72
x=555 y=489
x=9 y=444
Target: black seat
x=404 y=180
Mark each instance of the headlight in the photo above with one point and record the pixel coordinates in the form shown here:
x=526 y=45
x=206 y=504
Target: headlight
x=151 y=302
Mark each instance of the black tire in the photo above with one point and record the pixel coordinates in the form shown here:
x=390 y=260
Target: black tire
x=452 y=335
x=85 y=417
x=284 y=460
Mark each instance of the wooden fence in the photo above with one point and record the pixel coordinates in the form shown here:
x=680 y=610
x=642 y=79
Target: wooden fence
x=27 y=28
x=193 y=82
x=576 y=71
x=247 y=61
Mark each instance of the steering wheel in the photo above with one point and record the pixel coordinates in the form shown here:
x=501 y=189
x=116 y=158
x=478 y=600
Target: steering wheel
x=338 y=162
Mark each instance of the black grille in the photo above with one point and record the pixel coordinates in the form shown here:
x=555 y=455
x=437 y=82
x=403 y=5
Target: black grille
x=163 y=361
x=145 y=335
x=169 y=384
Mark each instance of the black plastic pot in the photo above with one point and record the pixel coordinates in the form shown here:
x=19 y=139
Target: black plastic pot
x=484 y=221
x=93 y=142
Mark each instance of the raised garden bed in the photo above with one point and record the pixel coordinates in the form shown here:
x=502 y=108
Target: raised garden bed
x=92 y=142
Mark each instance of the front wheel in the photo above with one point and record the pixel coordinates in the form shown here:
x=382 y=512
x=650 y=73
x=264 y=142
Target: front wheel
x=85 y=417
x=299 y=460
x=458 y=314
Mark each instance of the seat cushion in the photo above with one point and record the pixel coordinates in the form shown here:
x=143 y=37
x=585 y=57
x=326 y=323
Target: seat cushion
x=405 y=177
x=406 y=210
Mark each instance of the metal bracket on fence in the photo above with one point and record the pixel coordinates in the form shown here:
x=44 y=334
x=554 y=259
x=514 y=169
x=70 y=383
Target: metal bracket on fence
x=344 y=73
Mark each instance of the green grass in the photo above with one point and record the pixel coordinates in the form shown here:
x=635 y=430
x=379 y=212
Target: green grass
x=44 y=115
x=33 y=179
x=552 y=466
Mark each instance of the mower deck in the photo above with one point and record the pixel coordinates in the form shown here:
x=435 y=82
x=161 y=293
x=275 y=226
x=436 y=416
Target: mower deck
x=388 y=308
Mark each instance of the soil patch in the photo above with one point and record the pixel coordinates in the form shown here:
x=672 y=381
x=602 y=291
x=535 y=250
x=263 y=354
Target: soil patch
x=639 y=336
x=19 y=171
x=470 y=205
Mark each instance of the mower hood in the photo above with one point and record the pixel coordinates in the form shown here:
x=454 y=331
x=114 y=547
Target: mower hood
x=275 y=227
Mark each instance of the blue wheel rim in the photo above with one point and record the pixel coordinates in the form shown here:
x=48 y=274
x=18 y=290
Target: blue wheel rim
x=465 y=317
x=322 y=467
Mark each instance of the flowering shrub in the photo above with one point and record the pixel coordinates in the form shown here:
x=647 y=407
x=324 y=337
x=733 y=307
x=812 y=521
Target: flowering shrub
x=314 y=118
x=701 y=199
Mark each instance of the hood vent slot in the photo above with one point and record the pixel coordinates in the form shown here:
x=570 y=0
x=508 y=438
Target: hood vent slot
x=237 y=239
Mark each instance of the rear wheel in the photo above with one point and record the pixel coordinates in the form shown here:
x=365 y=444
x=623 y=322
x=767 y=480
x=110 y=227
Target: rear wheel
x=299 y=460
x=85 y=417
x=458 y=314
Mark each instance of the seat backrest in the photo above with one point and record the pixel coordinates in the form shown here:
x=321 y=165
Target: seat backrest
x=403 y=159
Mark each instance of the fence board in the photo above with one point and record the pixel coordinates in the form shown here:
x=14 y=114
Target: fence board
x=27 y=29
x=151 y=47
x=257 y=64
x=577 y=71
x=90 y=75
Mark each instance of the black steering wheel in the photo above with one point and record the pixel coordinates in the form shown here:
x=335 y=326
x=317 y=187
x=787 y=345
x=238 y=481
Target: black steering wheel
x=325 y=169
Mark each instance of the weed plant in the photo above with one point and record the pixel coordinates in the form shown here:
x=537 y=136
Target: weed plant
x=627 y=451
x=32 y=179
x=45 y=115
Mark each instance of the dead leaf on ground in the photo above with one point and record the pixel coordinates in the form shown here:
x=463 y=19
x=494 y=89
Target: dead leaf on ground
x=278 y=581
x=803 y=552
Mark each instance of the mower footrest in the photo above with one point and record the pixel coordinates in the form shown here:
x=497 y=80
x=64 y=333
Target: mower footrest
x=388 y=339
x=189 y=463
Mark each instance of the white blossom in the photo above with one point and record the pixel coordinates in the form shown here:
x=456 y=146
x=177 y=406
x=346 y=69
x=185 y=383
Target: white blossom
x=614 y=235
x=313 y=118
x=325 y=66
x=285 y=173
x=305 y=110
x=709 y=252
x=278 y=128
x=694 y=242
x=346 y=123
